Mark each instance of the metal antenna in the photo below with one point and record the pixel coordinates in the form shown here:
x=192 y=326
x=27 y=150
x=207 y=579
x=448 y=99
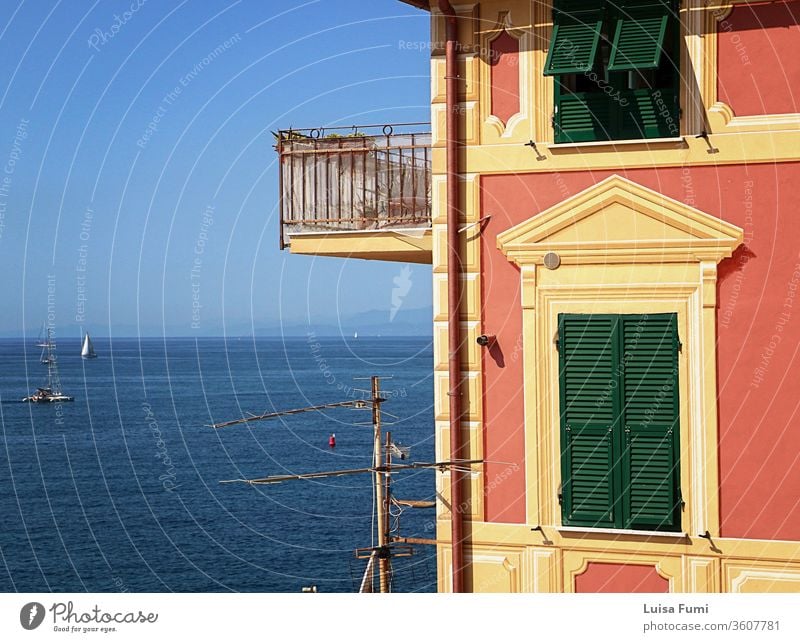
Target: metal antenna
x=271 y=415
x=379 y=557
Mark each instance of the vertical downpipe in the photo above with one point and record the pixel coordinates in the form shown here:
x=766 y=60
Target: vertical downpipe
x=453 y=293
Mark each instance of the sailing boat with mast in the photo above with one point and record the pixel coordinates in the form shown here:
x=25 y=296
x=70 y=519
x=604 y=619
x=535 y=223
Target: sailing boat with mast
x=87 y=350
x=51 y=392
x=41 y=341
x=46 y=356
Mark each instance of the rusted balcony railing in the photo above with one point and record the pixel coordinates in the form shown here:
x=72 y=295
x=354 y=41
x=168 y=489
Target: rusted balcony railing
x=375 y=177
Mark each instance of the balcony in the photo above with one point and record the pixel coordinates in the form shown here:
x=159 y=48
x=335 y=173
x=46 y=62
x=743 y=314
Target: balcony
x=358 y=192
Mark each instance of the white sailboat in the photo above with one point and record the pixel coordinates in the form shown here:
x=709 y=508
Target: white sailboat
x=51 y=392
x=41 y=342
x=87 y=350
x=355 y=334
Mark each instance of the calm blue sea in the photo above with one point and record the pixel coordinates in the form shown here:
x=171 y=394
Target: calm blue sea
x=119 y=491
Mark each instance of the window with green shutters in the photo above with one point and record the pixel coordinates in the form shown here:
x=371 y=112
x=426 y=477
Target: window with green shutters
x=616 y=69
x=576 y=36
x=618 y=378
x=638 y=31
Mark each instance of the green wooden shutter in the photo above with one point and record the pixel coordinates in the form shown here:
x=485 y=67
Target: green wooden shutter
x=587 y=353
x=639 y=33
x=650 y=461
x=576 y=34
x=650 y=466
x=583 y=117
x=649 y=114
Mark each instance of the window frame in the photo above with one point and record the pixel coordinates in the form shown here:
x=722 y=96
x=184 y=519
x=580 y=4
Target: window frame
x=623 y=427
x=617 y=112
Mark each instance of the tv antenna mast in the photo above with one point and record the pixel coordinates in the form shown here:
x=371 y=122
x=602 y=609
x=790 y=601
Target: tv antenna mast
x=378 y=557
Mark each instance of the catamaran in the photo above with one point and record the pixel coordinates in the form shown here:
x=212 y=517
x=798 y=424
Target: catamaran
x=87 y=351
x=51 y=392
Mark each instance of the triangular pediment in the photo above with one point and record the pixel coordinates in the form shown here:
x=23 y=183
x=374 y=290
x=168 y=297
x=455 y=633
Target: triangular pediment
x=619 y=221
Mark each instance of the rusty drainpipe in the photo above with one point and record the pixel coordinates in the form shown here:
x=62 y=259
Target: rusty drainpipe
x=453 y=293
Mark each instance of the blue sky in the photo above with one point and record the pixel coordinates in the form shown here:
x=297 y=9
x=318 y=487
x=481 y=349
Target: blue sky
x=109 y=178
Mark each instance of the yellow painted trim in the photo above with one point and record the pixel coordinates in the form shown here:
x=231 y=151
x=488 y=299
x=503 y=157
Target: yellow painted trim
x=542 y=85
x=471 y=427
x=470 y=350
x=471 y=507
x=722 y=119
x=468 y=28
x=469 y=125
x=549 y=561
x=617 y=295
x=494 y=570
x=780 y=552
x=471 y=431
x=693 y=55
x=470 y=249
x=470 y=203
x=700 y=574
x=681 y=234
x=518 y=126
x=728 y=148
x=760 y=577
x=577 y=562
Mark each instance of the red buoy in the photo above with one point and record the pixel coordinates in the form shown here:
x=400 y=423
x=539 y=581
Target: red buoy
x=332 y=441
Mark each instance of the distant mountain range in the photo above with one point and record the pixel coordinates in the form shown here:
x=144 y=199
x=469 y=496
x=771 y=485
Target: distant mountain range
x=404 y=323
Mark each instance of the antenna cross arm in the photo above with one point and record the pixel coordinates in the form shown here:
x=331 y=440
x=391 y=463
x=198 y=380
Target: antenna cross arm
x=277 y=479
x=354 y=403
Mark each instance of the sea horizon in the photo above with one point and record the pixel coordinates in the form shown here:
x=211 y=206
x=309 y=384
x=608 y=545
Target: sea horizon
x=120 y=489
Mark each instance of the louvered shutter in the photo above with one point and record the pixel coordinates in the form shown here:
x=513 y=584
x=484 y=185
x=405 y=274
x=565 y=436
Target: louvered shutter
x=650 y=471
x=586 y=354
x=583 y=117
x=649 y=114
x=576 y=34
x=639 y=32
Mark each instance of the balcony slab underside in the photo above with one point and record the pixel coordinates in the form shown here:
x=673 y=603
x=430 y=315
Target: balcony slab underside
x=406 y=245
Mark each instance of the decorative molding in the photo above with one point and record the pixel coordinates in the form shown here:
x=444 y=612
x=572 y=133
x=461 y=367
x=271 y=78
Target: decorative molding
x=757 y=578
x=470 y=11
x=528 y=287
x=708 y=282
x=584 y=290
x=544 y=570
x=658 y=255
x=722 y=119
x=692 y=56
x=745 y=552
x=494 y=127
x=734 y=148
x=542 y=17
x=577 y=562
x=591 y=228
x=700 y=575
x=495 y=570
